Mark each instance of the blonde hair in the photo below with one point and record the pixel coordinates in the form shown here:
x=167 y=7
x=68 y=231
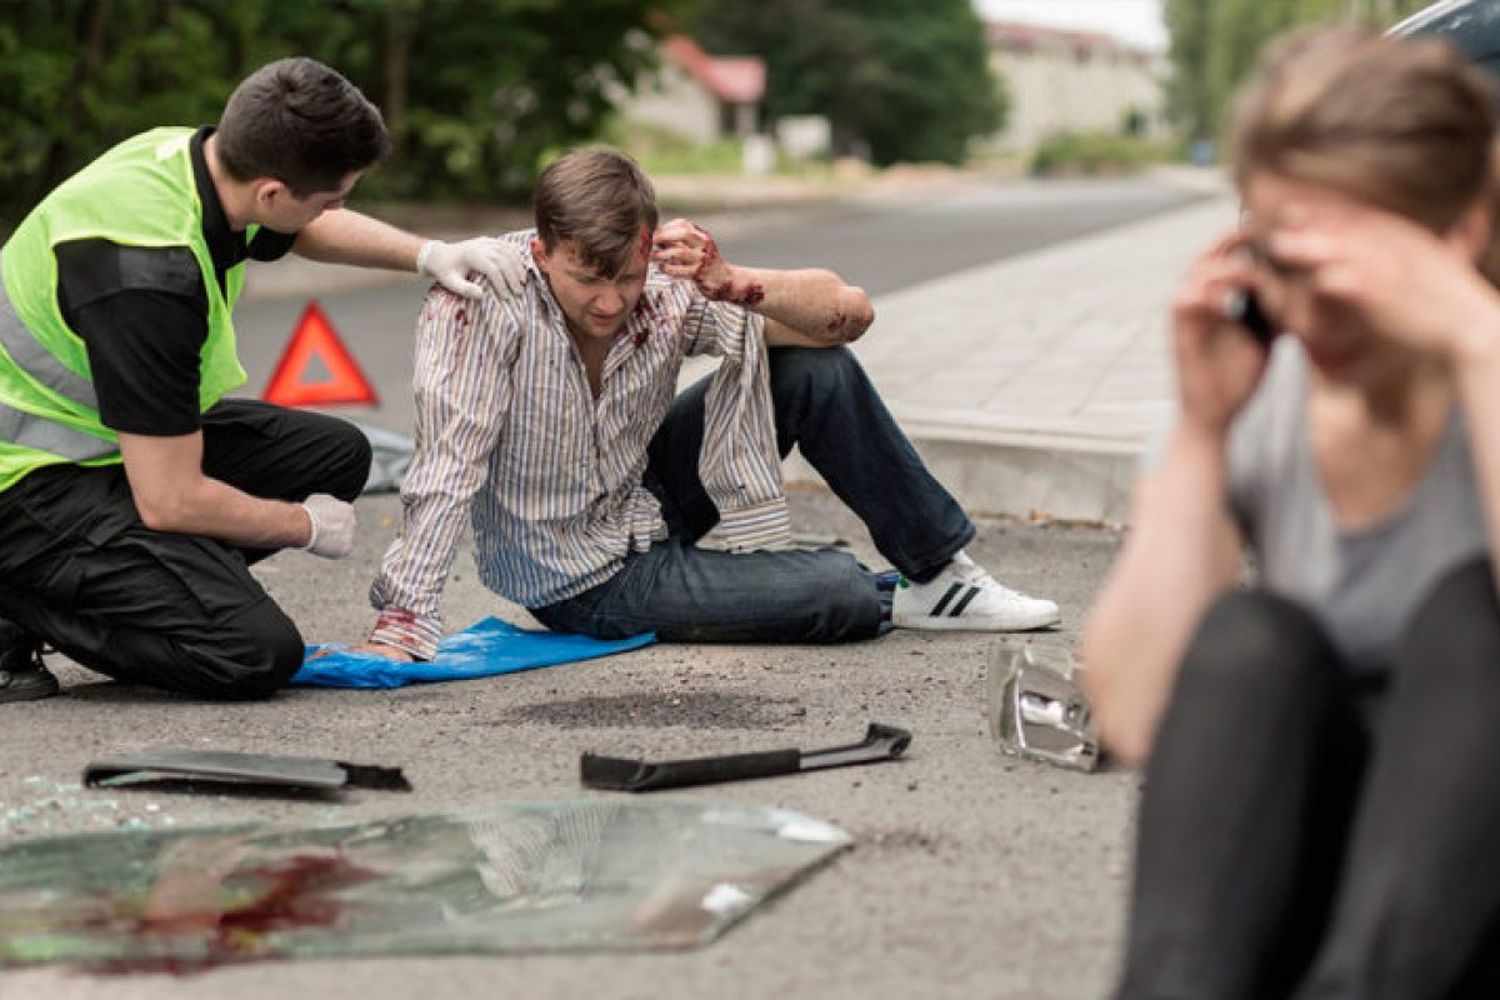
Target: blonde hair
x=1405 y=125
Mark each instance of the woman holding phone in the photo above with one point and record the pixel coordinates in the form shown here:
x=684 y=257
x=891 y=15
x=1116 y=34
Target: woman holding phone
x=1321 y=816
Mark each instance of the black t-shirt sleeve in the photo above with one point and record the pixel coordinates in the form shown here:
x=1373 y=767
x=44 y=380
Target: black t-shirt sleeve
x=143 y=316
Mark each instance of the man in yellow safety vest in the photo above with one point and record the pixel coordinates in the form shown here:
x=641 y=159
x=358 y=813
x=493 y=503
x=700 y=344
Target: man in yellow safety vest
x=133 y=497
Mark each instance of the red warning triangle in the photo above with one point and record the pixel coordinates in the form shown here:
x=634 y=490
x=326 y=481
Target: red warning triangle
x=316 y=368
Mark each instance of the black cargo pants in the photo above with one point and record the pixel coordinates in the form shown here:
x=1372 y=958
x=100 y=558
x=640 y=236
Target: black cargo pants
x=80 y=571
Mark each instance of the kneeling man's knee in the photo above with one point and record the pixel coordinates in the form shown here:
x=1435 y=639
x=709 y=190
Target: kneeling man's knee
x=264 y=650
x=350 y=469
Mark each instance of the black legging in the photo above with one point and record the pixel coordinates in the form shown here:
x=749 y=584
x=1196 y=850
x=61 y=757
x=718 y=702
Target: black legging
x=1289 y=847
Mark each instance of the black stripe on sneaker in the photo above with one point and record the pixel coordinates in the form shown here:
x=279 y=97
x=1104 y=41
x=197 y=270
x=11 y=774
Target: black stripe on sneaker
x=937 y=609
x=958 y=608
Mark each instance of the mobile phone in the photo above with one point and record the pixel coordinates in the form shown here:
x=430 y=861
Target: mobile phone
x=1245 y=309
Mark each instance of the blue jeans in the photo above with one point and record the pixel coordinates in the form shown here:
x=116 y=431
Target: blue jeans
x=827 y=407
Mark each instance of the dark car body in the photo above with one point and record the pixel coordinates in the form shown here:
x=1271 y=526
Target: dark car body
x=1472 y=25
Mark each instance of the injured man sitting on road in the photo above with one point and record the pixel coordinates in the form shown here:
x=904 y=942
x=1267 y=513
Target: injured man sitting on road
x=548 y=417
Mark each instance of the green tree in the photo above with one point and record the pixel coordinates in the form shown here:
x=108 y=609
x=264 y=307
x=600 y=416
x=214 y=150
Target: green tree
x=491 y=85
x=1189 y=100
x=904 y=79
x=1215 y=44
x=474 y=91
x=76 y=76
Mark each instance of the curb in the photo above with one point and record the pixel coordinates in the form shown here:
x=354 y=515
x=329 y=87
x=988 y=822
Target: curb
x=1004 y=469
x=1020 y=475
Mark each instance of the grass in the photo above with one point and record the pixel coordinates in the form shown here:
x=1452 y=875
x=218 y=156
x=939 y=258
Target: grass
x=1095 y=153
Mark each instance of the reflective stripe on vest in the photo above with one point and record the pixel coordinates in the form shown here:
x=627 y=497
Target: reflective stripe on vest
x=31 y=431
x=41 y=364
x=142 y=193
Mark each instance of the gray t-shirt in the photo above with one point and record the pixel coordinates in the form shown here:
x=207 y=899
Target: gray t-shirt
x=1361 y=585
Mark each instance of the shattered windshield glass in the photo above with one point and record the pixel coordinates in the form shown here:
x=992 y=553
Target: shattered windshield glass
x=594 y=874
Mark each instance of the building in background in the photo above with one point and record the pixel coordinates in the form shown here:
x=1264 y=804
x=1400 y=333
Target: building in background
x=1073 y=82
x=697 y=96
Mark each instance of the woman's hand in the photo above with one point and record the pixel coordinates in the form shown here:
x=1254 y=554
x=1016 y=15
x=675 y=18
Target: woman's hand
x=1408 y=284
x=1218 y=362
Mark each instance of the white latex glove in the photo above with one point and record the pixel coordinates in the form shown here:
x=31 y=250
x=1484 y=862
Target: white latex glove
x=450 y=264
x=332 y=526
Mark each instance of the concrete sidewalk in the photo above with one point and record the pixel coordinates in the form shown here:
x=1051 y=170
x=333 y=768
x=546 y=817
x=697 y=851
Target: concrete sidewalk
x=1032 y=384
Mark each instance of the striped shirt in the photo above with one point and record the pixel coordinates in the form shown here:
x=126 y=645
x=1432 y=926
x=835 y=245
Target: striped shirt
x=509 y=433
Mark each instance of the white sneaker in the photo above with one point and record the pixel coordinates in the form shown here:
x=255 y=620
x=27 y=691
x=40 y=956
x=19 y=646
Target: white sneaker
x=964 y=596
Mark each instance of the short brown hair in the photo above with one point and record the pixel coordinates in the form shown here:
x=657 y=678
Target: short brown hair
x=1405 y=125
x=299 y=122
x=598 y=200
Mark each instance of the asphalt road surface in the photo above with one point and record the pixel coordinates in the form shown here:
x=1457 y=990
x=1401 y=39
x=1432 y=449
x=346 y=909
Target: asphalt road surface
x=974 y=876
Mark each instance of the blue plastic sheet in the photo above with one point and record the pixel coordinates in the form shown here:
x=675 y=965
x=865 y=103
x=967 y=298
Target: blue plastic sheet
x=483 y=649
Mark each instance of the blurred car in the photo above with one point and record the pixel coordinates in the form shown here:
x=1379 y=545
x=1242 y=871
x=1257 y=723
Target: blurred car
x=1472 y=25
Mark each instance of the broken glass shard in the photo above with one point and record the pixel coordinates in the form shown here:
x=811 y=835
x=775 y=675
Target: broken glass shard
x=586 y=875
x=1036 y=709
